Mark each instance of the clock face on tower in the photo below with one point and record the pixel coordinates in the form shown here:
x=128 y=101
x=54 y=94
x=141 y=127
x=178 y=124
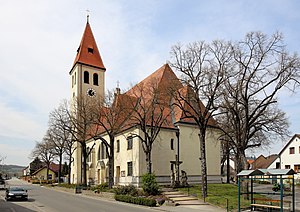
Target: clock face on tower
x=91 y=92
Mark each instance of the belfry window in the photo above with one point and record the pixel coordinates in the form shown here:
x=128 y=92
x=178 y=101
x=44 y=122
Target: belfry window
x=95 y=79
x=86 y=77
x=90 y=50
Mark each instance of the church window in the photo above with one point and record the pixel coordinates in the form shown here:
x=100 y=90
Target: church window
x=90 y=50
x=129 y=142
x=129 y=168
x=172 y=144
x=103 y=151
x=88 y=158
x=86 y=77
x=118 y=145
x=95 y=79
x=99 y=152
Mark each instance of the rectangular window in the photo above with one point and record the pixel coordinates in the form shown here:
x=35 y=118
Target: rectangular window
x=90 y=50
x=129 y=142
x=172 y=144
x=287 y=166
x=292 y=150
x=118 y=145
x=129 y=168
x=297 y=168
x=277 y=165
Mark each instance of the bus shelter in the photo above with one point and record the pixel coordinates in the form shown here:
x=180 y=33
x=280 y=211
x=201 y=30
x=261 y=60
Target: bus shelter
x=282 y=192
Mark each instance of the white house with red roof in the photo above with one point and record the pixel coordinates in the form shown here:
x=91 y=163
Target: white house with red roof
x=177 y=135
x=289 y=156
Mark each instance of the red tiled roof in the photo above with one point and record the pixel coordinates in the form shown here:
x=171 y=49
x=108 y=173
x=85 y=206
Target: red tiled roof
x=88 y=52
x=263 y=162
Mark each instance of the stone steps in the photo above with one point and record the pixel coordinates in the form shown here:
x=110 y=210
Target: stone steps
x=179 y=198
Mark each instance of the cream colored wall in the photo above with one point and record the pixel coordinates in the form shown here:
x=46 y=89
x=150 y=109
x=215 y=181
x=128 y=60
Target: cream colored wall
x=42 y=174
x=125 y=156
x=79 y=88
x=161 y=155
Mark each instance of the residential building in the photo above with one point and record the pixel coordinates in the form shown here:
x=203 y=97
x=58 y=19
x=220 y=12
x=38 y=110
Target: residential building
x=263 y=162
x=178 y=139
x=41 y=174
x=289 y=156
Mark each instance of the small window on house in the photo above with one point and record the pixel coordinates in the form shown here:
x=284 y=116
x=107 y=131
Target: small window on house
x=297 y=168
x=129 y=168
x=95 y=79
x=90 y=50
x=287 y=166
x=277 y=165
x=299 y=149
x=86 y=77
x=75 y=78
x=172 y=144
x=118 y=145
x=292 y=150
x=129 y=142
x=72 y=81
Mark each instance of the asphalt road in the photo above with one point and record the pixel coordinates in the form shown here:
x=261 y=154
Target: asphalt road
x=47 y=200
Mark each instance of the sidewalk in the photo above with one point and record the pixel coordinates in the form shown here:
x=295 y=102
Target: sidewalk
x=189 y=208
x=166 y=208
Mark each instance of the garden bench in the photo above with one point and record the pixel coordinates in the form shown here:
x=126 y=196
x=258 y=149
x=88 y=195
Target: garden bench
x=268 y=203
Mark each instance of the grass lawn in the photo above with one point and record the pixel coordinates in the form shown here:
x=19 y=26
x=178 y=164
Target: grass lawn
x=217 y=195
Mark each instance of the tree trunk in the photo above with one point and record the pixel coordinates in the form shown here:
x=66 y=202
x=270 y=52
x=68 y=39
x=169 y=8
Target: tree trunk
x=203 y=164
x=69 y=171
x=111 y=163
x=241 y=164
x=59 y=169
x=47 y=173
x=84 y=156
x=149 y=162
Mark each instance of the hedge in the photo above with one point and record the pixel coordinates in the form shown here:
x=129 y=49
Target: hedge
x=136 y=200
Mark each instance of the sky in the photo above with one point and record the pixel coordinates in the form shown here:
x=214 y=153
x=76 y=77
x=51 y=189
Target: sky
x=39 y=39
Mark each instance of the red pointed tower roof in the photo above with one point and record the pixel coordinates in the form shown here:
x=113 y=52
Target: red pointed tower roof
x=88 y=52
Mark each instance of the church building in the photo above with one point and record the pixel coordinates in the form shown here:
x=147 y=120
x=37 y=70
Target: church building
x=177 y=141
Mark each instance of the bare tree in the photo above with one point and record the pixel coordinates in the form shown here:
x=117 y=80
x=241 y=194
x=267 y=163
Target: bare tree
x=151 y=112
x=110 y=115
x=44 y=150
x=203 y=68
x=60 y=125
x=261 y=68
x=82 y=127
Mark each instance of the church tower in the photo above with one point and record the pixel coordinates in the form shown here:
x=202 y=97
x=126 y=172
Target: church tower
x=87 y=80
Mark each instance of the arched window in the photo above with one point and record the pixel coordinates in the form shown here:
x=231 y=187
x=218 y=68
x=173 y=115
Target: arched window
x=88 y=158
x=99 y=152
x=95 y=79
x=103 y=151
x=86 y=77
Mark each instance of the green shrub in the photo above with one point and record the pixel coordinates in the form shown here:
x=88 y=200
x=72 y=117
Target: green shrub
x=149 y=184
x=126 y=190
x=136 y=200
x=100 y=188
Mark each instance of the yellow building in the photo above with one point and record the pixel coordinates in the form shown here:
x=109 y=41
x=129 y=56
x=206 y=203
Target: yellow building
x=178 y=137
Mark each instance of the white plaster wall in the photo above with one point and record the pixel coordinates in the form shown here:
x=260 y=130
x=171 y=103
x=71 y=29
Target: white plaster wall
x=291 y=159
